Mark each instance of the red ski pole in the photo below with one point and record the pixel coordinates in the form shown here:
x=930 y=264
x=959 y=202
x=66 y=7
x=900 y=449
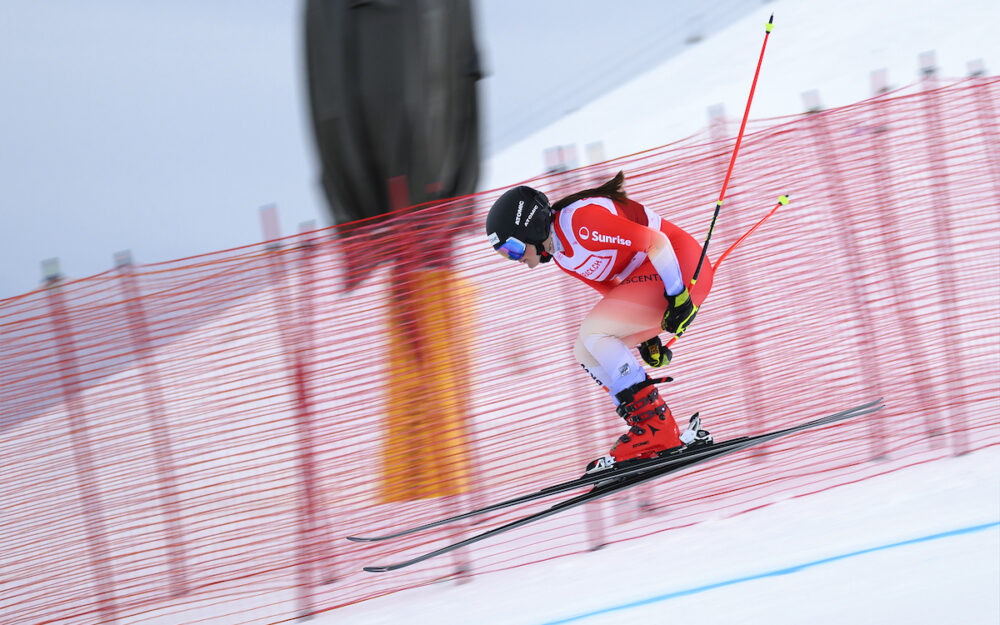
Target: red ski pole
x=782 y=201
x=732 y=161
x=736 y=149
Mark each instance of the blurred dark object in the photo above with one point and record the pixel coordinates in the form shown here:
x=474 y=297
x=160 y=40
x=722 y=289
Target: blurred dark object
x=392 y=88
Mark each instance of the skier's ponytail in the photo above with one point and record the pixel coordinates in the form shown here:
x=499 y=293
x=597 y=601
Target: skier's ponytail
x=614 y=189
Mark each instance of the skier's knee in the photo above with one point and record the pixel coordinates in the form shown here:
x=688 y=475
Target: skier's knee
x=581 y=353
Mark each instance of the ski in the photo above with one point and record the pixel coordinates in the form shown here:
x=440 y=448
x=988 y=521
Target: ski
x=608 y=482
x=614 y=473
x=619 y=471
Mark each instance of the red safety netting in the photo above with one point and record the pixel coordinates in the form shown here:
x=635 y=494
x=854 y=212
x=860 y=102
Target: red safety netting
x=190 y=441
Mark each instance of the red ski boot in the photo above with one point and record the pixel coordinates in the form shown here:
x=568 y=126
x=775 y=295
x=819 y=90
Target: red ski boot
x=652 y=427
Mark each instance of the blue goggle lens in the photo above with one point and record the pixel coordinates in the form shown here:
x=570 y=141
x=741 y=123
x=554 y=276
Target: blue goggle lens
x=513 y=248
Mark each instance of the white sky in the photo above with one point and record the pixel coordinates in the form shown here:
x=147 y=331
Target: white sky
x=162 y=126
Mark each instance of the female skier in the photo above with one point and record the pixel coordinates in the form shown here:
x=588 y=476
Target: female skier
x=641 y=265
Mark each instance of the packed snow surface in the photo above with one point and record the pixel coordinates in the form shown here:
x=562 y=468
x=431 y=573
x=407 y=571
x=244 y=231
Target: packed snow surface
x=917 y=546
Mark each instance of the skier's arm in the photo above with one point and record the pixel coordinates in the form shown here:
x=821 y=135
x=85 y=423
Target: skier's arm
x=680 y=309
x=664 y=260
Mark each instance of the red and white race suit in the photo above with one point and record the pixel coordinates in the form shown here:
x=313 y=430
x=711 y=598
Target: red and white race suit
x=617 y=248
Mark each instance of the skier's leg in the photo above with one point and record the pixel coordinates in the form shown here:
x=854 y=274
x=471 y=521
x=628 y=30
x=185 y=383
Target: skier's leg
x=628 y=314
x=604 y=353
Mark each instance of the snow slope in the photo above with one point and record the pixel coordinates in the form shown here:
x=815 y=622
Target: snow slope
x=831 y=47
x=918 y=546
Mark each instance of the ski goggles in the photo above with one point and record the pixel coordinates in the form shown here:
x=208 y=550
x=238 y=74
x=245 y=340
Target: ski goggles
x=514 y=248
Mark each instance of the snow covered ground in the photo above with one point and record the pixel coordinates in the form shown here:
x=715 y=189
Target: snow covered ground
x=918 y=546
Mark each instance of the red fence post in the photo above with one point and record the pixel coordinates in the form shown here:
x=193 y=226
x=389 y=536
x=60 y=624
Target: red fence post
x=153 y=400
x=986 y=112
x=308 y=245
x=946 y=266
x=295 y=326
x=921 y=378
x=749 y=364
x=86 y=476
x=826 y=150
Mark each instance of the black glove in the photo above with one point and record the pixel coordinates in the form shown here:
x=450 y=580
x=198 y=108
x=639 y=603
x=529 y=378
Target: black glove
x=680 y=313
x=654 y=353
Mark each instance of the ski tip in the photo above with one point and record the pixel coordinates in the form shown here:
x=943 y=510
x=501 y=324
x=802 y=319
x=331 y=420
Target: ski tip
x=388 y=567
x=359 y=539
